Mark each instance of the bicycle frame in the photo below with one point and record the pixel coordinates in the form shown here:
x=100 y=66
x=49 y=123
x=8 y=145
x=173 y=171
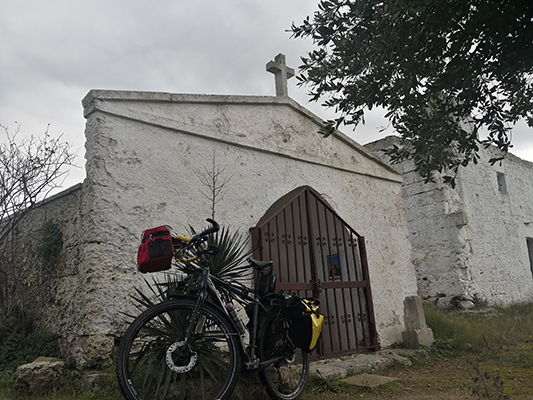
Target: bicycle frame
x=195 y=344
x=207 y=289
x=253 y=362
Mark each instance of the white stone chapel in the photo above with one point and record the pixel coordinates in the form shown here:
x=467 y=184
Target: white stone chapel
x=146 y=153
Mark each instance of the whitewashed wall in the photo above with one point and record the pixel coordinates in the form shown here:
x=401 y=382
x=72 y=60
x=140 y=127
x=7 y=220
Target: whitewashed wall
x=499 y=221
x=471 y=240
x=146 y=151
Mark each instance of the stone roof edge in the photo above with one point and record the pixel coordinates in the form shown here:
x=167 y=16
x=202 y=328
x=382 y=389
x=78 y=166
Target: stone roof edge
x=510 y=156
x=61 y=194
x=89 y=105
x=57 y=196
x=89 y=100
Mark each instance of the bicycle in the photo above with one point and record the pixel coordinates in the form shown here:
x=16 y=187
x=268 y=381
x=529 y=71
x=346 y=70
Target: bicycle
x=194 y=345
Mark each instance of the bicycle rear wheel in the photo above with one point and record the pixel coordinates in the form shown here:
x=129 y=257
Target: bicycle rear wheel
x=285 y=379
x=152 y=362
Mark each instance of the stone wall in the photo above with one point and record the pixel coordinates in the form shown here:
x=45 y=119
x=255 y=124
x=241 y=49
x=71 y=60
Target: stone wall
x=471 y=240
x=55 y=295
x=497 y=200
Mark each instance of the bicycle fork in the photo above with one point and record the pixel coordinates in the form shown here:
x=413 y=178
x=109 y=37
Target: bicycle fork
x=197 y=320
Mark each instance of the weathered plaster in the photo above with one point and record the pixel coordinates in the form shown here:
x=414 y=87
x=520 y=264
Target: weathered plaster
x=471 y=240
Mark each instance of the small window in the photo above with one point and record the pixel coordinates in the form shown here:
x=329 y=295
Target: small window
x=530 y=251
x=502 y=185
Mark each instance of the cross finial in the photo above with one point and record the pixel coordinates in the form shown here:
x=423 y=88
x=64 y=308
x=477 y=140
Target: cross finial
x=281 y=72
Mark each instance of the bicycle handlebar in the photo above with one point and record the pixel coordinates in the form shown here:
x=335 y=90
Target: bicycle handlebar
x=185 y=239
x=215 y=227
x=197 y=240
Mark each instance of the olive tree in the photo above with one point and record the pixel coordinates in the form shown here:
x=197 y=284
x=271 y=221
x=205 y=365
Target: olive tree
x=445 y=70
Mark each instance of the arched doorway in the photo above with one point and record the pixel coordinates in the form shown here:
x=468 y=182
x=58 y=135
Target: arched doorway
x=317 y=254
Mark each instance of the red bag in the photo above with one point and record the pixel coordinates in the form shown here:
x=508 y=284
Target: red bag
x=156 y=250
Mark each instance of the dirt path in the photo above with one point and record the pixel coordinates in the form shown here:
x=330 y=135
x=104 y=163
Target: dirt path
x=509 y=373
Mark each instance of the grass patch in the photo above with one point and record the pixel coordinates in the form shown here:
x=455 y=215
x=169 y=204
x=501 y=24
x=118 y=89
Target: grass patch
x=319 y=384
x=521 y=356
x=65 y=390
x=484 y=353
x=61 y=395
x=319 y=388
x=458 y=332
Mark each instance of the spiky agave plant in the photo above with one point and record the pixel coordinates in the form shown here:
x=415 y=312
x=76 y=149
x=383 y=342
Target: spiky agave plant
x=158 y=292
x=230 y=264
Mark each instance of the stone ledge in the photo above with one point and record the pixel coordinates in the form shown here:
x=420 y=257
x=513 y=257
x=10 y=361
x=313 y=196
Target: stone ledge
x=339 y=368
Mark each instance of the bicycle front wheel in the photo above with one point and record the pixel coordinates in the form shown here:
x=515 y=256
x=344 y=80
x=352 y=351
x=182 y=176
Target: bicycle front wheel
x=154 y=362
x=285 y=379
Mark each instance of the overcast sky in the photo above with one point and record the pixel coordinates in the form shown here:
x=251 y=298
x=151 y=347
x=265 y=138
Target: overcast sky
x=53 y=52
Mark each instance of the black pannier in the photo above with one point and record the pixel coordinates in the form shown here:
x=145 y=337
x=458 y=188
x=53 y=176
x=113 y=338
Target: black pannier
x=305 y=323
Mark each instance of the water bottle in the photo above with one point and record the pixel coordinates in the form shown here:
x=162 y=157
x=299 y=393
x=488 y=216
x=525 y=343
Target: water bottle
x=235 y=317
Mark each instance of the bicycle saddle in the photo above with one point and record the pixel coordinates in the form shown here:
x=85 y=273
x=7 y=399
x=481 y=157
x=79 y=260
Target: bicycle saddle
x=260 y=264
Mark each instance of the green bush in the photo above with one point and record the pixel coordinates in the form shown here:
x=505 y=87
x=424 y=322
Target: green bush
x=22 y=341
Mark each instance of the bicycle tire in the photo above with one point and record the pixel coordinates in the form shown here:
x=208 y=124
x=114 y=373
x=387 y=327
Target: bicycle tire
x=285 y=379
x=149 y=368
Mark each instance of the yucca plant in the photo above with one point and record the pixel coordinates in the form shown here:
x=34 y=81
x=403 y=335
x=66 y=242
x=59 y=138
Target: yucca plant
x=158 y=292
x=230 y=264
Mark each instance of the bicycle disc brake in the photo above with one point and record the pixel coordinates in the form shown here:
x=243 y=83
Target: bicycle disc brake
x=290 y=359
x=178 y=363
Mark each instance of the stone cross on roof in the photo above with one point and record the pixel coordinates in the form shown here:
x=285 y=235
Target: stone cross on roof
x=281 y=72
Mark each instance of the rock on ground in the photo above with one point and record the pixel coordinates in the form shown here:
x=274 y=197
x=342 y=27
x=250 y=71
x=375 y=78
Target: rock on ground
x=40 y=376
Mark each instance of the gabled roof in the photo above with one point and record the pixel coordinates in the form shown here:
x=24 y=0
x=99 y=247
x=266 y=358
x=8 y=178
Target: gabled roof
x=270 y=124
